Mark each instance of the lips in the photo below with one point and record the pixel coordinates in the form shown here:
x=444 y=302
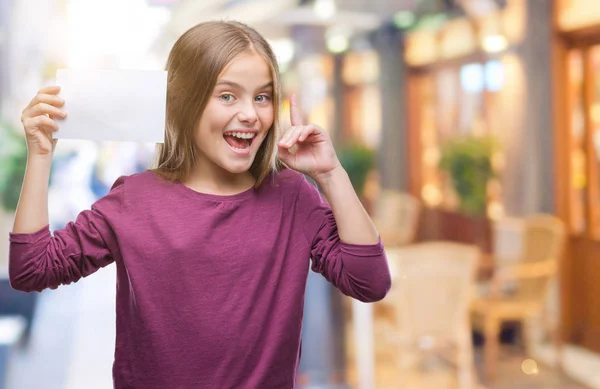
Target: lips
x=240 y=141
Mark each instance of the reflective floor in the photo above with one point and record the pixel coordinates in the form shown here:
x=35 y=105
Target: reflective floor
x=436 y=374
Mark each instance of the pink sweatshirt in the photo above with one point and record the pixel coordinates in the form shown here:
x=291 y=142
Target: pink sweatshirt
x=210 y=289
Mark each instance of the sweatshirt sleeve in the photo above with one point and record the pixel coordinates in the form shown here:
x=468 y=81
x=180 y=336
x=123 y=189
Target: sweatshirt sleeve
x=40 y=260
x=358 y=271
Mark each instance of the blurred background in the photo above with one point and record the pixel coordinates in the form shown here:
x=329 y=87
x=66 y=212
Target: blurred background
x=470 y=129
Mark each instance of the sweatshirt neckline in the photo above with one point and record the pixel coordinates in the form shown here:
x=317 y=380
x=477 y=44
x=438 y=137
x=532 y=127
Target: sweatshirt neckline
x=182 y=188
x=215 y=197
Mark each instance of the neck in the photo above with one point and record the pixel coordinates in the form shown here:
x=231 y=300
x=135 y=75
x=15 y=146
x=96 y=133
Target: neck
x=218 y=181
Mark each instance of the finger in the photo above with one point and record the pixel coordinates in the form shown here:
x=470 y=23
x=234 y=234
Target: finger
x=309 y=130
x=45 y=109
x=287 y=136
x=44 y=123
x=286 y=156
x=291 y=137
x=50 y=90
x=53 y=100
x=41 y=122
x=42 y=94
x=295 y=114
x=294 y=138
x=301 y=134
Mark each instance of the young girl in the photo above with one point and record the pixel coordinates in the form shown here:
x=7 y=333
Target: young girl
x=212 y=247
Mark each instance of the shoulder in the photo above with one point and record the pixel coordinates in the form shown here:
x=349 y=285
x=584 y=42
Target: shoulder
x=295 y=187
x=144 y=177
x=286 y=180
x=137 y=186
x=140 y=182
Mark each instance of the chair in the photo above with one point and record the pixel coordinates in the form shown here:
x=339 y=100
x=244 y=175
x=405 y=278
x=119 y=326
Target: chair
x=431 y=293
x=396 y=216
x=518 y=290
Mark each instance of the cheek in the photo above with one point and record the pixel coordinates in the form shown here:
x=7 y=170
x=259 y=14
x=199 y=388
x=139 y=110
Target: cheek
x=266 y=117
x=214 y=119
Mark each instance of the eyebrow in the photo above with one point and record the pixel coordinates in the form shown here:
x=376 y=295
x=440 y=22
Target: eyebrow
x=236 y=85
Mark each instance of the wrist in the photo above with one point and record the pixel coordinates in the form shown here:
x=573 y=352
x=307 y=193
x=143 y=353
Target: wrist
x=39 y=159
x=331 y=177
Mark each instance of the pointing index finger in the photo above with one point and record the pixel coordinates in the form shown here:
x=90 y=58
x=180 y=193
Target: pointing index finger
x=295 y=116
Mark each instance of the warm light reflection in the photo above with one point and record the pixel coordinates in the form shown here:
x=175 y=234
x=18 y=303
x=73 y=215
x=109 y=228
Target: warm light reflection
x=595 y=112
x=431 y=195
x=495 y=43
x=498 y=161
x=431 y=156
x=529 y=367
x=495 y=210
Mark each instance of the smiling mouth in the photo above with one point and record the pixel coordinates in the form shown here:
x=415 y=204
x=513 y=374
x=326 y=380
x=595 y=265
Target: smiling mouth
x=239 y=140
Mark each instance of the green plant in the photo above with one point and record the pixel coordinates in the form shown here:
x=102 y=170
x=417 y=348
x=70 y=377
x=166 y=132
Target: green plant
x=468 y=162
x=358 y=160
x=13 y=159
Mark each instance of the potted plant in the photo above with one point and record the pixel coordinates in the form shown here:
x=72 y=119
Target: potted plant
x=358 y=160
x=13 y=158
x=468 y=162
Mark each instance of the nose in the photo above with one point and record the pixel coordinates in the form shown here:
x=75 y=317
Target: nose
x=247 y=113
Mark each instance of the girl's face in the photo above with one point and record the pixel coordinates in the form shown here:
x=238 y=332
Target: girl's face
x=237 y=117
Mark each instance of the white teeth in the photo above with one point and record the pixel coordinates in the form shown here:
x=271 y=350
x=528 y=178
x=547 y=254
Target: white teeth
x=241 y=135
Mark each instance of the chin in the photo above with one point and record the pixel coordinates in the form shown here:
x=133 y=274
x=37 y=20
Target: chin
x=237 y=167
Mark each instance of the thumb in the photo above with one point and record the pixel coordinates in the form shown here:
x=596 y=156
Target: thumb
x=286 y=156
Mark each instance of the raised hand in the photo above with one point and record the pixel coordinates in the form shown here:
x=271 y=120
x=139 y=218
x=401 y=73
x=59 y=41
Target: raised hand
x=314 y=154
x=38 y=120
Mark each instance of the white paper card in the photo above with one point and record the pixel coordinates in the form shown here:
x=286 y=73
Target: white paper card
x=113 y=105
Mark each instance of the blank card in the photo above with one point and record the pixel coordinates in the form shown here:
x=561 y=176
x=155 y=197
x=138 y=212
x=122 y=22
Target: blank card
x=113 y=105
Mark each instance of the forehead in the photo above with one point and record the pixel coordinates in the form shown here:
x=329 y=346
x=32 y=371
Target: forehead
x=247 y=68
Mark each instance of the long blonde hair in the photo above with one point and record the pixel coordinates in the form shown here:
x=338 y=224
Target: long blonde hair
x=195 y=62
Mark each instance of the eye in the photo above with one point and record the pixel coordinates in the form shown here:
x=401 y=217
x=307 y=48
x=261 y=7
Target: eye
x=263 y=98
x=226 y=97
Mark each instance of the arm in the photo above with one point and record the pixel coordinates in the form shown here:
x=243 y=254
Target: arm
x=359 y=270
x=37 y=118
x=316 y=158
x=353 y=222
x=345 y=246
x=32 y=210
x=38 y=260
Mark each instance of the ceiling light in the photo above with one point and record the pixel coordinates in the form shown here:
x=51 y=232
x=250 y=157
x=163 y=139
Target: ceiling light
x=284 y=51
x=338 y=44
x=324 y=9
x=495 y=43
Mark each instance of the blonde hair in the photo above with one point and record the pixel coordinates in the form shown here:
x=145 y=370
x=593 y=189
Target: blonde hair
x=195 y=62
